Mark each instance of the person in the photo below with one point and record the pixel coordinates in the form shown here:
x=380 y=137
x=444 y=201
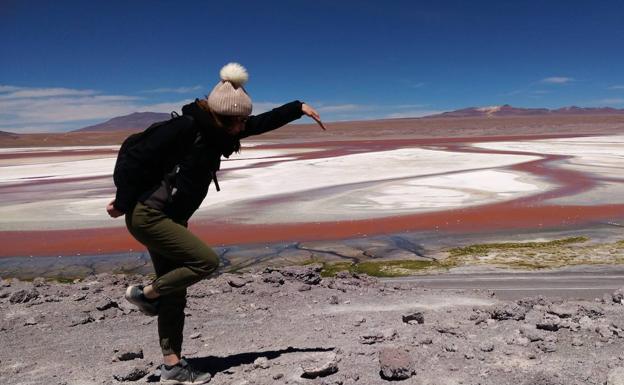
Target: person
x=186 y=151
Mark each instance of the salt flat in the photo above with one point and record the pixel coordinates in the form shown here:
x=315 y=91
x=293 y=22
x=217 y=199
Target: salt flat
x=72 y=194
x=600 y=156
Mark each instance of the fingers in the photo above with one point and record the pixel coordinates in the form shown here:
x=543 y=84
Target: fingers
x=318 y=120
x=311 y=112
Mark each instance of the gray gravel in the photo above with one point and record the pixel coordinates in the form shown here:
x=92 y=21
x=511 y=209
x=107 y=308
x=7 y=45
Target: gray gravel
x=261 y=328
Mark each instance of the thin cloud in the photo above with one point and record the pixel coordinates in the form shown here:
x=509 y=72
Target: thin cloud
x=616 y=87
x=19 y=93
x=4 y=88
x=177 y=90
x=62 y=109
x=556 y=80
x=341 y=108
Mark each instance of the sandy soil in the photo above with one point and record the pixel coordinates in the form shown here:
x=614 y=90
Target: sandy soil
x=281 y=326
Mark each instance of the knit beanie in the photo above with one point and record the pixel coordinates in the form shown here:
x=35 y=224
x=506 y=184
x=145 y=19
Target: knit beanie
x=229 y=97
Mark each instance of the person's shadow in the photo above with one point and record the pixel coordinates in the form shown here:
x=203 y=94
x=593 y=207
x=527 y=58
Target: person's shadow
x=213 y=365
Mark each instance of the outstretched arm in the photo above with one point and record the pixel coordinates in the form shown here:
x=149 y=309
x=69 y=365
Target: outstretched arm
x=278 y=117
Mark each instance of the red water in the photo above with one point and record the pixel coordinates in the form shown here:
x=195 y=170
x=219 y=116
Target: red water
x=530 y=212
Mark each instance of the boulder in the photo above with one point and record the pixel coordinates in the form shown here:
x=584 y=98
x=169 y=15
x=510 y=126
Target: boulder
x=395 y=364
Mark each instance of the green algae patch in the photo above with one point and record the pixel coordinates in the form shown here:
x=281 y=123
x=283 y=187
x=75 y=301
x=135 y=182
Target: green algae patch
x=482 y=248
x=391 y=268
x=537 y=255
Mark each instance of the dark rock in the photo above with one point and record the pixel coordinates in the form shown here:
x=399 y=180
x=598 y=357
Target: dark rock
x=509 y=311
x=132 y=374
x=395 y=364
x=24 y=296
x=618 y=295
x=530 y=302
x=128 y=354
x=105 y=303
x=195 y=336
x=590 y=310
x=387 y=335
x=4 y=294
x=370 y=339
x=414 y=318
x=333 y=300
x=549 y=322
x=274 y=278
x=309 y=274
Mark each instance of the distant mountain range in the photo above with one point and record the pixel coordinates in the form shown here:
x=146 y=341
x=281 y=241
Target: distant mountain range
x=507 y=110
x=6 y=134
x=134 y=121
x=141 y=120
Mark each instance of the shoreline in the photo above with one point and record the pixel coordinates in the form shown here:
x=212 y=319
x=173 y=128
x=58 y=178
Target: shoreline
x=426 y=250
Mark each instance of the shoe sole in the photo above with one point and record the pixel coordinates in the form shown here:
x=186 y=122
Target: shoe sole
x=129 y=298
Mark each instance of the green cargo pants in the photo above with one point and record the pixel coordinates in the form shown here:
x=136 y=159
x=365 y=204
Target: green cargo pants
x=180 y=259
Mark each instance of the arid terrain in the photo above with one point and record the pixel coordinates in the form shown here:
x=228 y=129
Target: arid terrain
x=292 y=326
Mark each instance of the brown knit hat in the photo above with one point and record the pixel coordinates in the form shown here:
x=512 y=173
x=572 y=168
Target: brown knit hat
x=229 y=97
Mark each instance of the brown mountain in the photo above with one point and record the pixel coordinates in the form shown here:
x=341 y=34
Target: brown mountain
x=507 y=110
x=8 y=136
x=135 y=121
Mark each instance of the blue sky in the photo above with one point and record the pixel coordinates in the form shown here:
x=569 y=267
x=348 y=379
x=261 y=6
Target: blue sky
x=67 y=64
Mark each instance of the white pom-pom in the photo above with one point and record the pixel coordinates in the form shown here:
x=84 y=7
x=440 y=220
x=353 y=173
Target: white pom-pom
x=234 y=73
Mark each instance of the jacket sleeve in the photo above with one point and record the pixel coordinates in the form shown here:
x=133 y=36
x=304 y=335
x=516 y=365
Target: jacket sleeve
x=273 y=119
x=143 y=162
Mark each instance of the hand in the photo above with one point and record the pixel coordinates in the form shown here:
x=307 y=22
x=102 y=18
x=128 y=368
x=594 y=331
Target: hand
x=112 y=211
x=311 y=112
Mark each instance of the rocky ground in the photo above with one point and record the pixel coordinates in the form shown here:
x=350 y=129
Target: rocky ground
x=291 y=326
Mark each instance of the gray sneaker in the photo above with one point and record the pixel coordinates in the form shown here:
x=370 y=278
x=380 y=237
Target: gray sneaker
x=182 y=374
x=134 y=295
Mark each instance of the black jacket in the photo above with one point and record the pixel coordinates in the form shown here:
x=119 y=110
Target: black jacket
x=179 y=159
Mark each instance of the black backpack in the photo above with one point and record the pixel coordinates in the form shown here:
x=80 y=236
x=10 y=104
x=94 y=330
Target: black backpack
x=149 y=177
